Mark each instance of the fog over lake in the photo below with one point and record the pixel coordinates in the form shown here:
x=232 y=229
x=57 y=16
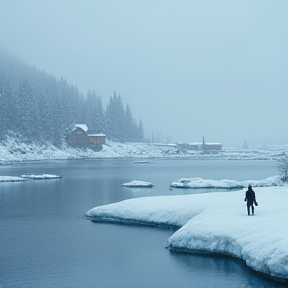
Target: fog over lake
x=188 y=69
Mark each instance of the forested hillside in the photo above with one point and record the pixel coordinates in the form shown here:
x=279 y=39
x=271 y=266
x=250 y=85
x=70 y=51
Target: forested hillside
x=38 y=107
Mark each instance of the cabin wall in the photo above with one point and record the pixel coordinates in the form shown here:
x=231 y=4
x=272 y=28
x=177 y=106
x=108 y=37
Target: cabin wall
x=100 y=140
x=78 y=137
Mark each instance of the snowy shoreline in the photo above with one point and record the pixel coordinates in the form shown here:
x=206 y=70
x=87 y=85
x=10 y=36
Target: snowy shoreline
x=12 y=150
x=215 y=223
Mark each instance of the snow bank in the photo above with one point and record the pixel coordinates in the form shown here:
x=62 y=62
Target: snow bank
x=224 y=227
x=13 y=150
x=216 y=223
x=157 y=210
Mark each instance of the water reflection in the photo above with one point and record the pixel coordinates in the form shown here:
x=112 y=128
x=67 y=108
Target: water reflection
x=222 y=271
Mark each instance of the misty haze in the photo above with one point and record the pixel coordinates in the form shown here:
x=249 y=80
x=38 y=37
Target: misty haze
x=155 y=115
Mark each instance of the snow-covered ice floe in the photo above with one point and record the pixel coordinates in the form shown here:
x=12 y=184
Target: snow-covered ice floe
x=142 y=162
x=25 y=177
x=40 y=176
x=138 y=184
x=11 y=179
x=197 y=182
x=203 y=183
x=216 y=223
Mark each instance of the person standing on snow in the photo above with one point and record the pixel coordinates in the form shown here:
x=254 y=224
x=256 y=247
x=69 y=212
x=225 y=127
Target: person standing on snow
x=250 y=198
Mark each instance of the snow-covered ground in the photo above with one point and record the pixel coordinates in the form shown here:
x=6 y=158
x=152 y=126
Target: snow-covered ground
x=13 y=150
x=216 y=223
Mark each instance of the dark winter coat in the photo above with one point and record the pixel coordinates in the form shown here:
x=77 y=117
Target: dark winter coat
x=250 y=196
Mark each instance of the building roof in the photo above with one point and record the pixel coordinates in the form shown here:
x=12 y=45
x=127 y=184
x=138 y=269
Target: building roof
x=96 y=134
x=81 y=126
x=205 y=144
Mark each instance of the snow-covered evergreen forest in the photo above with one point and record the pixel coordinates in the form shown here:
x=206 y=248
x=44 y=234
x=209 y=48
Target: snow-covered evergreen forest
x=36 y=106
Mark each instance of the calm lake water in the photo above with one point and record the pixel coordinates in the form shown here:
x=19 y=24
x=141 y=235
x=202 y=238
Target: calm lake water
x=45 y=240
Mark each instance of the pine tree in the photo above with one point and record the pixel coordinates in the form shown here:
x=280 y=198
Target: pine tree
x=129 y=132
x=140 y=134
x=26 y=109
x=120 y=119
x=94 y=112
x=111 y=119
x=99 y=115
x=77 y=104
x=43 y=119
x=35 y=105
x=5 y=108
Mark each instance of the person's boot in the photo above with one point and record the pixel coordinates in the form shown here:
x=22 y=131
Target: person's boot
x=252 y=210
x=248 y=210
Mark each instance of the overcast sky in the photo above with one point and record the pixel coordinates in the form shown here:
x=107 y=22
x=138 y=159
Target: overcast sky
x=213 y=68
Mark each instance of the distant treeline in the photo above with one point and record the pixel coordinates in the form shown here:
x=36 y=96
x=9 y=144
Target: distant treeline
x=38 y=107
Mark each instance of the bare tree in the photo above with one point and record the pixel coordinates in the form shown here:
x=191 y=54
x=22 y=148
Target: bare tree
x=282 y=165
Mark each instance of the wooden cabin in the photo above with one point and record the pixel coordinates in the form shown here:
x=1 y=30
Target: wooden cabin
x=96 y=138
x=78 y=135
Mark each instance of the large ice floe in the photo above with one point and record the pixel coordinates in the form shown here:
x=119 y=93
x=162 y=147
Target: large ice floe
x=138 y=184
x=216 y=223
x=204 y=184
x=197 y=183
x=40 y=176
x=25 y=177
x=11 y=179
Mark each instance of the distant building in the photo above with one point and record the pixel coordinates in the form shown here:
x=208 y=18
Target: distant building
x=78 y=135
x=195 y=146
x=198 y=146
x=211 y=146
